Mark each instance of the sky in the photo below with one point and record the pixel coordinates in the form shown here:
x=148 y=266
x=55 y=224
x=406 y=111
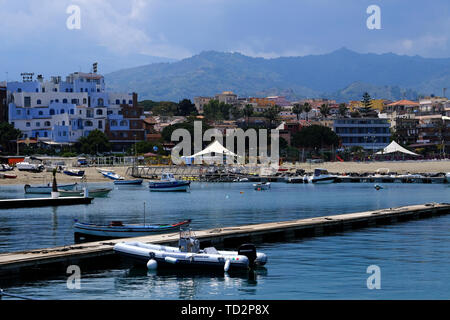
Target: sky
x=120 y=34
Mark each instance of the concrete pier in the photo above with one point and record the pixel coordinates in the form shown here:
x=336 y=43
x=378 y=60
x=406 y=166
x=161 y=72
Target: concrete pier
x=54 y=261
x=43 y=202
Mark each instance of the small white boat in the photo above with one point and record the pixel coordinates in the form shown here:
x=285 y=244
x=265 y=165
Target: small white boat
x=261 y=186
x=112 y=176
x=321 y=176
x=189 y=255
x=28 y=165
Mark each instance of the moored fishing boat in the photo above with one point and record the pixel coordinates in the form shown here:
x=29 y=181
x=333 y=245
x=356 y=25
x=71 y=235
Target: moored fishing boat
x=128 y=182
x=169 y=183
x=47 y=189
x=100 y=192
x=189 y=255
x=321 y=176
x=117 y=229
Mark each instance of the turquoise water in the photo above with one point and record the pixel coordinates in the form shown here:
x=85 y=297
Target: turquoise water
x=413 y=256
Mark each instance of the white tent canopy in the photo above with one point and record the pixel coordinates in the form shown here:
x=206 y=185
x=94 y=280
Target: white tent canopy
x=395 y=147
x=215 y=147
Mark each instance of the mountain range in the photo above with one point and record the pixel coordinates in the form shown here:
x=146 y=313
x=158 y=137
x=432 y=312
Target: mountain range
x=342 y=75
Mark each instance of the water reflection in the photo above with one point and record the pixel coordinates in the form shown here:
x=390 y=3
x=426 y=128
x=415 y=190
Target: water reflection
x=187 y=284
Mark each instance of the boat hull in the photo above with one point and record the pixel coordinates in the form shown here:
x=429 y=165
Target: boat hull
x=170 y=186
x=74 y=174
x=321 y=180
x=79 y=193
x=85 y=230
x=128 y=182
x=47 y=189
x=180 y=260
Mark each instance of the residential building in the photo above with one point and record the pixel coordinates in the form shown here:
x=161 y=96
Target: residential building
x=200 y=103
x=227 y=97
x=3 y=103
x=433 y=130
x=63 y=111
x=369 y=133
x=406 y=129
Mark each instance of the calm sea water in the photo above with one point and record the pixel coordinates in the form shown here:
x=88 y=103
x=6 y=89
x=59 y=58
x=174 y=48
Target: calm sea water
x=413 y=256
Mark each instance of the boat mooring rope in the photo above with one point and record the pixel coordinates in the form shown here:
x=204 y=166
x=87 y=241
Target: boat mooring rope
x=3 y=293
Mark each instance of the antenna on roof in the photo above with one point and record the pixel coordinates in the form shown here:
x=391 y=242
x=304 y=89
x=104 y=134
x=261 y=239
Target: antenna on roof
x=27 y=76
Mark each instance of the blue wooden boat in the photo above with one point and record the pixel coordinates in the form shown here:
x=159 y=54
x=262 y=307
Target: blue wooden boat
x=111 y=175
x=169 y=183
x=129 y=182
x=74 y=173
x=117 y=229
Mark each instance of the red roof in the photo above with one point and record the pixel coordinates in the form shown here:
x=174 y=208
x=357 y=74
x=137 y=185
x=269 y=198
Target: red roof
x=404 y=103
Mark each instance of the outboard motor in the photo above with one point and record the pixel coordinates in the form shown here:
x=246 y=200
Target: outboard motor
x=248 y=250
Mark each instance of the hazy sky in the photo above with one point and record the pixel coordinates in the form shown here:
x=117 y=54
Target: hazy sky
x=118 y=34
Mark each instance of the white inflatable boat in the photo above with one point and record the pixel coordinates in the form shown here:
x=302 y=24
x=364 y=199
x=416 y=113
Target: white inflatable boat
x=189 y=255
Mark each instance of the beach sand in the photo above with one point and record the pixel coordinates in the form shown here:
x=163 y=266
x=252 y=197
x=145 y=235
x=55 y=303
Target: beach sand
x=92 y=175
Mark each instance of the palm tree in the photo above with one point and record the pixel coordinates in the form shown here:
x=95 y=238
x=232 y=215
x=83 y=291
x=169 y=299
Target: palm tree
x=307 y=108
x=324 y=110
x=297 y=110
x=248 y=111
x=343 y=109
x=271 y=114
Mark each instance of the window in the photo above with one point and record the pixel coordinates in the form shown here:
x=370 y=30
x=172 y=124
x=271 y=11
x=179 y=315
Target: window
x=100 y=102
x=63 y=123
x=41 y=113
x=38 y=101
x=38 y=124
x=56 y=100
x=47 y=124
x=27 y=101
x=19 y=90
x=99 y=112
x=72 y=111
x=113 y=123
x=84 y=100
x=28 y=124
x=100 y=125
x=117 y=101
x=18 y=112
x=52 y=112
x=130 y=101
x=45 y=134
x=123 y=123
x=62 y=111
x=74 y=101
x=88 y=123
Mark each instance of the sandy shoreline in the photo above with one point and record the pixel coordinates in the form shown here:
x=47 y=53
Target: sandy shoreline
x=400 y=167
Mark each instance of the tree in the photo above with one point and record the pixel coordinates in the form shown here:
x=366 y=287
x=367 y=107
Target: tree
x=215 y=110
x=315 y=137
x=324 y=110
x=343 y=109
x=186 y=108
x=248 y=111
x=272 y=114
x=165 y=108
x=236 y=112
x=8 y=136
x=367 y=104
x=297 y=109
x=96 y=142
x=307 y=109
